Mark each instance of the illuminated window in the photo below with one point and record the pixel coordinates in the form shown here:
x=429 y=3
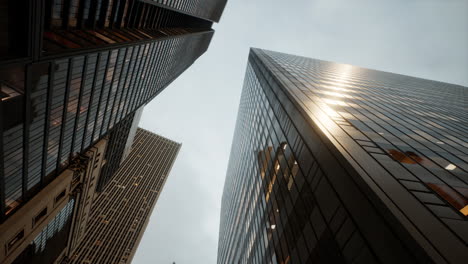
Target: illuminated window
x=452 y=196
x=408 y=157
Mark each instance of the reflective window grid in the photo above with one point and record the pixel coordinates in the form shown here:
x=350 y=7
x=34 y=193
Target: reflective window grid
x=89 y=65
x=332 y=163
x=211 y=9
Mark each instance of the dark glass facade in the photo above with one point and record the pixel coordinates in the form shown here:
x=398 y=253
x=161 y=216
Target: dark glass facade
x=88 y=66
x=333 y=163
x=210 y=9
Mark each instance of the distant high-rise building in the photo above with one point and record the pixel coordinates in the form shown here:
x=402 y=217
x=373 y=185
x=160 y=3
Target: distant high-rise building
x=332 y=163
x=69 y=221
x=120 y=141
x=73 y=72
x=121 y=213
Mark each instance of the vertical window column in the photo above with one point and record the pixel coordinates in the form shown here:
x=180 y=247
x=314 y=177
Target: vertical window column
x=153 y=73
x=131 y=79
x=114 y=92
x=72 y=107
x=96 y=95
x=137 y=75
x=2 y=178
x=145 y=73
x=13 y=166
x=12 y=138
x=38 y=107
x=121 y=91
x=56 y=113
x=126 y=90
x=105 y=93
x=88 y=80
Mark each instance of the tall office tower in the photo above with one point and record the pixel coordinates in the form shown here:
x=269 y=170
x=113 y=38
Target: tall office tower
x=121 y=214
x=74 y=71
x=333 y=163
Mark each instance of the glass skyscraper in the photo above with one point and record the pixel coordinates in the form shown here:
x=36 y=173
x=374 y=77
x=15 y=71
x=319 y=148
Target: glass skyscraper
x=333 y=163
x=74 y=78
x=71 y=72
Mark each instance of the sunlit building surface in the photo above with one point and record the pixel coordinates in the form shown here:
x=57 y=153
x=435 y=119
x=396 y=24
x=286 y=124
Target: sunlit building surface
x=121 y=213
x=332 y=163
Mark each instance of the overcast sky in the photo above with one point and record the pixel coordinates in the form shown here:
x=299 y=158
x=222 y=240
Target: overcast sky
x=422 y=38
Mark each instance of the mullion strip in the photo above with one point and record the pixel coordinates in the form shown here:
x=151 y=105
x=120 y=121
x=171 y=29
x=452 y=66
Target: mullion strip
x=162 y=73
x=123 y=101
x=47 y=122
x=141 y=72
x=80 y=16
x=65 y=112
x=120 y=89
x=66 y=14
x=149 y=23
x=93 y=13
x=91 y=98
x=160 y=66
x=144 y=13
x=117 y=5
x=80 y=97
x=100 y=98
x=147 y=69
x=123 y=6
x=135 y=78
x=134 y=14
x=119 y=93
x=131 y=80
x=104 y=129
x=155 y=73
x=26 y=126
x=2 y=174
x=150 y=75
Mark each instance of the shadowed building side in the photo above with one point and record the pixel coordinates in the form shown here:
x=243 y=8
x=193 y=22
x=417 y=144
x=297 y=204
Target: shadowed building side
x=332 y=163
x=80 y=69
x=74 y=77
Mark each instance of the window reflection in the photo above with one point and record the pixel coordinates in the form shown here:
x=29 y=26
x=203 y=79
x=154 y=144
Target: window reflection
x=451 y=196
x=7 y=92
x=289 y=169
x=407 y=157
